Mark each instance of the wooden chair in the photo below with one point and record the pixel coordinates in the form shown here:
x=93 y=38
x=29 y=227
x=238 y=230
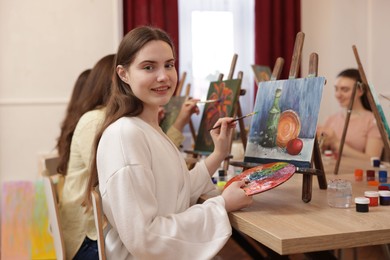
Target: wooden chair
x=47 y=164
x=99 y=222
x=54 y=219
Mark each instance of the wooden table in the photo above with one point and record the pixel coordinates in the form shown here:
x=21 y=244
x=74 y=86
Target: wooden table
x=280 y=220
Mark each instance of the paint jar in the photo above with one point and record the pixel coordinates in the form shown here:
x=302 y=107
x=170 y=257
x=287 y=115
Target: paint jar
x=362 y=204
x=382 y=176
x=384 y=197
x=370 y=175
x=384 y=186
x=327 y=158
x=373 y=196
x=221 y=182
x=373 y=183
x=358 y=174
x=339 y=193
x=375 y=161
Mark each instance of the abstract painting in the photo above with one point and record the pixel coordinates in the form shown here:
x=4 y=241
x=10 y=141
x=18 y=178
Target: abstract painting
x=24 y=222
x=285 y=126
x=172 y=110
x=226 y=93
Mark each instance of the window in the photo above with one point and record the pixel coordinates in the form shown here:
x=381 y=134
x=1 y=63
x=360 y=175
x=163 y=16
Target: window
x=211 y=32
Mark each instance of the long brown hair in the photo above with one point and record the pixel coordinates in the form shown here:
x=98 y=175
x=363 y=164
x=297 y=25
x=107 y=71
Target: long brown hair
x=94 y=93
x=355 y=75
x=122 y=101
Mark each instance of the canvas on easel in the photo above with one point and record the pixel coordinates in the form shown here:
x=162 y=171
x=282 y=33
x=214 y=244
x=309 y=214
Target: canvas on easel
x=226 y=93
x=262 y=73
x=308 y=167
x=172 y=110
x=284 y=129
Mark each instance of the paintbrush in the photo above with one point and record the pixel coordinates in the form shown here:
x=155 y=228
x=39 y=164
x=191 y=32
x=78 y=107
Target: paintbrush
x=208 y=101
x=234 y=120
x=384 y=97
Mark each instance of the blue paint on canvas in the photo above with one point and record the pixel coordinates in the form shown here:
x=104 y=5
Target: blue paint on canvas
x=300 y=96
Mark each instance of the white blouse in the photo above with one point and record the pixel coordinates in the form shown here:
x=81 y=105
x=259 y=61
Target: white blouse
x=149 y=197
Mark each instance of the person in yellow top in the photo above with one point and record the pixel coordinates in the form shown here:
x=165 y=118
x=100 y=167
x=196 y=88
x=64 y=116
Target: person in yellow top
x=78 y=226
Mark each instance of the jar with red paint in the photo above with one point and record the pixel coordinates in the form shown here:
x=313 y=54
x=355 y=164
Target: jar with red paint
x=373 y=196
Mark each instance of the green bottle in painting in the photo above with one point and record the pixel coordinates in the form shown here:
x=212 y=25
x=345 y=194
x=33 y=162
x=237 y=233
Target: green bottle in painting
x=271 y=130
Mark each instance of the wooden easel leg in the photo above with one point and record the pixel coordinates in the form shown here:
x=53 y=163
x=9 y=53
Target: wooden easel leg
x=307 y=187
x=242 y=126
x=192 y=129
x=319 y=165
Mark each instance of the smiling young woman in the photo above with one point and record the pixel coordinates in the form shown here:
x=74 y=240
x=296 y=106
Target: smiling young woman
x=363 y=139
x=148 y=194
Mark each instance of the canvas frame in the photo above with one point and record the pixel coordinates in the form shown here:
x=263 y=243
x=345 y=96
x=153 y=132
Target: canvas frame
x=227 y=92
x=303 y=96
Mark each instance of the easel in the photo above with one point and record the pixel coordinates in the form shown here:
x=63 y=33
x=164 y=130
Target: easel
x=187 y=93
x=252 y=247
x=236 y=112
x=371 y=100
x=317 y=167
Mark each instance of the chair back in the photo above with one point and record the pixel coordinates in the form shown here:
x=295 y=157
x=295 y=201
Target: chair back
x=54 y=219
x=99 y=222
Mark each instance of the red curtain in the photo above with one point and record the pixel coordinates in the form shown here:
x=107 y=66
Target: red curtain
x=159 y=13
x=276 y=24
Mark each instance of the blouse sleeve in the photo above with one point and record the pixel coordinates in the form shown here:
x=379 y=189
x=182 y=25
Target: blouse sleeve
x=201 y=182
x=199 y=231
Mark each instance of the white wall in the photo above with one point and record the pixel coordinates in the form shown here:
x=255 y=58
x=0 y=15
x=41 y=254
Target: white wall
x=45 y=45
x=332 y=27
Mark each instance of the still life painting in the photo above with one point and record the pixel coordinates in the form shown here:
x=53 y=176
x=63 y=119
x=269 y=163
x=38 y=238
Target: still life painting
x=284 y=127
x=225 y=94
x=172 y=110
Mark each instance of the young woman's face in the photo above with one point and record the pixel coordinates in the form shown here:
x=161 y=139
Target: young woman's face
x=152 y=75
x=343 y=91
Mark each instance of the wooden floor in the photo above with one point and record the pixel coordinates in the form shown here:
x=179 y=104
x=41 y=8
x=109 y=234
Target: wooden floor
x=232 y=251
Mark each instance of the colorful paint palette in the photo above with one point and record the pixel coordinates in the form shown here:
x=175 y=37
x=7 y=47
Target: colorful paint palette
x=264 y=177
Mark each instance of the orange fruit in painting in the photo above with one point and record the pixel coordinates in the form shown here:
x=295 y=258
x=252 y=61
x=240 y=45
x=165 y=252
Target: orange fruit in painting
x=289 y=127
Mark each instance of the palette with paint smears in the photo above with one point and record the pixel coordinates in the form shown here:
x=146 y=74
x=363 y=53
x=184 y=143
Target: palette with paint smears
x=289 y=127
x=264 y=177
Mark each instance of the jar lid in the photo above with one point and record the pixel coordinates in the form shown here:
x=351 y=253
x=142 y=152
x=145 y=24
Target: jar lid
x=384 y=193
x=328 y=152
x=383 y=187
x=371 y=194
x=373 y=183
x=358 y=171
x=362 y=200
